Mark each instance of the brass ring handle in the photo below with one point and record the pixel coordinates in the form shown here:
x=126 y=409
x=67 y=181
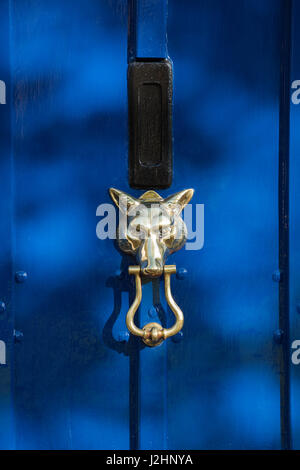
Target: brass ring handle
x=154 y=334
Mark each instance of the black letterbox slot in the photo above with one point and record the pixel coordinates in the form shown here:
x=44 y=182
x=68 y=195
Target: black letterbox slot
x=150 y=89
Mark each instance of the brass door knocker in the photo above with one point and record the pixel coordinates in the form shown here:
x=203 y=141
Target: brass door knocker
x=153 y=334
x=152 y=228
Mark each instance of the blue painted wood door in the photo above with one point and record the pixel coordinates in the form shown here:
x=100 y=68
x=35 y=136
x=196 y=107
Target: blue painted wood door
x=72 y=379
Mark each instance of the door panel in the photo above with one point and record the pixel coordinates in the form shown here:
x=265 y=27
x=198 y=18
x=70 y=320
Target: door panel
x=295 y=229
x=223 y=377
x=70 y=138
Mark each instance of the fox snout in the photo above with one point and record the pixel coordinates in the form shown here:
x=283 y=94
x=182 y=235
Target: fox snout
x=151 y=257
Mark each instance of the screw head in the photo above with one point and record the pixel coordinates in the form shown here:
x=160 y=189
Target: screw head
x=181 y=274
x=277 y=275
x=177 y=338
x=18 y=336
x=278 y=336
x=2 y=307
x=21 y=276
x=152 y=312
x=119 y=273
x=123 y=336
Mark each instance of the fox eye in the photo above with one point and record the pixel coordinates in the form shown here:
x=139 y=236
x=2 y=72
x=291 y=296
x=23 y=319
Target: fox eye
x=136 y=231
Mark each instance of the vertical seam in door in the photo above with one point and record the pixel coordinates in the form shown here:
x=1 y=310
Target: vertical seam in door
x=283 y=207
x=131 y=40
x=13 y=215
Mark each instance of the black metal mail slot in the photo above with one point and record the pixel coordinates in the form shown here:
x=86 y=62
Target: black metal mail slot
x=150 y=89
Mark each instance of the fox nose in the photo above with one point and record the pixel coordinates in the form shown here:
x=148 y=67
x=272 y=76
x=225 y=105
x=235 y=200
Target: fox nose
x=152 y=267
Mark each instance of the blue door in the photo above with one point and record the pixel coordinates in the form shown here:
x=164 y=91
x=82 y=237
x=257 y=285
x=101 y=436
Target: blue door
x=71 y=376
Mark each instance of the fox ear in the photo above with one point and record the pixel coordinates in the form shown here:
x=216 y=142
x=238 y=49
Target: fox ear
x=122 y=200
x=178 y=201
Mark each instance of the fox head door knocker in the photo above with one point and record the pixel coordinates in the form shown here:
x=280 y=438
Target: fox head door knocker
x=150 y=229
